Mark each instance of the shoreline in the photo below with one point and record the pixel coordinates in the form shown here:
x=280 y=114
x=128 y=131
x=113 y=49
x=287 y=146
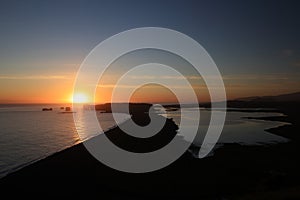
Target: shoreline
x=193 y=149
x=235 y=171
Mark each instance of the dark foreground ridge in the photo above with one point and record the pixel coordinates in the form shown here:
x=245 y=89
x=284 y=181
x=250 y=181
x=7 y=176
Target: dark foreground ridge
x=234 y=172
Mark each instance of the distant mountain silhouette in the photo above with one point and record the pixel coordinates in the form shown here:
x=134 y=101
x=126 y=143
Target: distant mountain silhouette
x=278 y=98
x=286 y=100
x=279 y=101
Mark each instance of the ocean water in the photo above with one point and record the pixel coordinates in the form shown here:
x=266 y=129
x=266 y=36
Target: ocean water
x=28 y=134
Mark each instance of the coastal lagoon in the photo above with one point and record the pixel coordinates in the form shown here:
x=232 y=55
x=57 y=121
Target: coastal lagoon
x=237 y=128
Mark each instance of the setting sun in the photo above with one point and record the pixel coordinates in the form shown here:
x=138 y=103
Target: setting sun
x=79 y=98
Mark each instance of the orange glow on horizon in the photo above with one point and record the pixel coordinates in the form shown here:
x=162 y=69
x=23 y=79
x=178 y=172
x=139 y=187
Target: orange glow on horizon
x=56 y=90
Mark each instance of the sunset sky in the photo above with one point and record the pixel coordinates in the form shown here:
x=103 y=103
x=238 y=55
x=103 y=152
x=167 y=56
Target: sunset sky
x=255 y=45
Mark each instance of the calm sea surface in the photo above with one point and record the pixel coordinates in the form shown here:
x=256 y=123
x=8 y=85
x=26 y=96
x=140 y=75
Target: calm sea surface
x=28 y=134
